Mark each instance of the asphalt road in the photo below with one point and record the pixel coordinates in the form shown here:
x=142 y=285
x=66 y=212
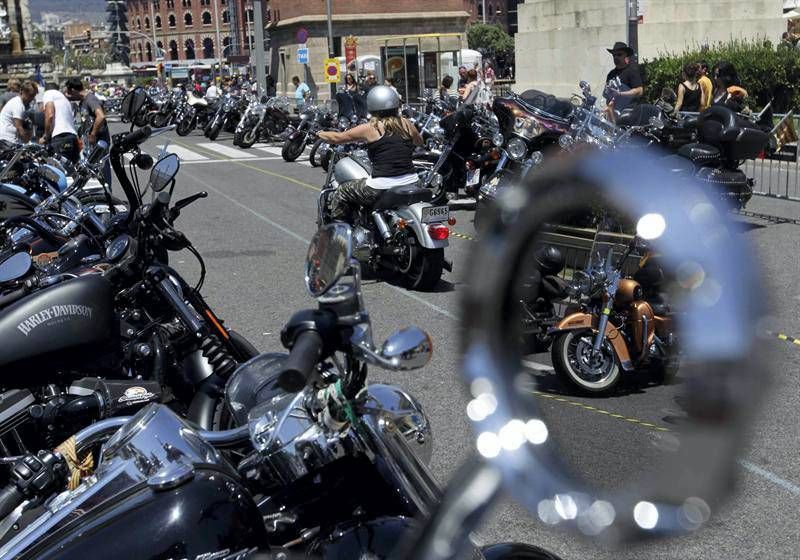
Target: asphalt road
x=253 y=232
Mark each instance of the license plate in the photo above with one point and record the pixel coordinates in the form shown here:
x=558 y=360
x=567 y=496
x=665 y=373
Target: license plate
x=473 y=177
x=435 y=214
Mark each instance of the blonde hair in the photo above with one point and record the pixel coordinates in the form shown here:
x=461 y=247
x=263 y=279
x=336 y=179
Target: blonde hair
x=393 y=124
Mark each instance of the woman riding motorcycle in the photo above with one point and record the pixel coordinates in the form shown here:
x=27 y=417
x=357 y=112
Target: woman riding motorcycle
x=390 y=141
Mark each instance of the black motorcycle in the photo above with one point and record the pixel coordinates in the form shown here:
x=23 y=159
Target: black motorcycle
x=312 y=120
x=229 y=112
x=266 y=120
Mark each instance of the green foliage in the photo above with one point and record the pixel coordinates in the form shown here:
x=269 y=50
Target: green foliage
x=490 y=37
x=765 y=72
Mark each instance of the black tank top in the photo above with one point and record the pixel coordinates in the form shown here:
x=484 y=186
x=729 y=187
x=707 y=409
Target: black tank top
x=691 y=99
x=391 y=156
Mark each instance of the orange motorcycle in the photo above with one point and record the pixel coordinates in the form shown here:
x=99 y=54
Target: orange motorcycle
x=621 y=324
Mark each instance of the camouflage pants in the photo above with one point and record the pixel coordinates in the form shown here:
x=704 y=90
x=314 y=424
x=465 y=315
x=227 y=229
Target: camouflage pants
x=349 y=196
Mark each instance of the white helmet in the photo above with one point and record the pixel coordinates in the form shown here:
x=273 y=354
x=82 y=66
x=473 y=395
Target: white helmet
x=382 y=98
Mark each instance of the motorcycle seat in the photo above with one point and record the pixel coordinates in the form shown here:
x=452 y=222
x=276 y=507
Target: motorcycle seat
x=678 y=164
x=403 y=195
x=639 y=115
x=700 y=154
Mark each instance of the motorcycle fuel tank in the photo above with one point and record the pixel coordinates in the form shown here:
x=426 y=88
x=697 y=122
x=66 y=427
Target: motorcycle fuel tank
x=70 y=314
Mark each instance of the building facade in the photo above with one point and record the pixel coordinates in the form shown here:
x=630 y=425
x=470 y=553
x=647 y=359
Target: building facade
x=561 y=42
x=186 y=32
x=408 y=39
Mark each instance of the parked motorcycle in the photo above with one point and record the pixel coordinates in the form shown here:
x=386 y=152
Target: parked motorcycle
x=194 y=113
x=402 y=232
x=312 y=120
x=229 y=111
x=615 y=328
x=262 y=122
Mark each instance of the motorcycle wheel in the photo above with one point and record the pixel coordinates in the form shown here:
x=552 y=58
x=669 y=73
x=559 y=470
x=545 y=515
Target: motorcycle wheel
x=293 y=148
x=246 y=138
x=159 y=120
x=186 y=126
x=420 y=268
x=312 y=155
x=215 y=129
x=325 y=160
x=572 y=363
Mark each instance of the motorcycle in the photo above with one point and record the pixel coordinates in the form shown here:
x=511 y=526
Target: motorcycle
x=168 y=109
x=615 y=328
x=103 y=321
x=193 y=113
x=262 y=122
x=312 y=120
x=228 y=113
x=402 y=232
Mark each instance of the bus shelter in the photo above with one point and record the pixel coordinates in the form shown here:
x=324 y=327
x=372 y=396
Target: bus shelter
x=418 y=62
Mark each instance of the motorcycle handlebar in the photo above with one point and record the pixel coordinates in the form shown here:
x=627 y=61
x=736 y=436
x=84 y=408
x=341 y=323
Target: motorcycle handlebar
x=135 y=138
x=10 y=499
x=303 y=357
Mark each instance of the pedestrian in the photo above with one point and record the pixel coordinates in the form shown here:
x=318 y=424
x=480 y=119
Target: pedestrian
x=350 y=85
x=370 y=81
x=462 y=77
x=301 y=91
x=59 y=126
x=689 y=92
x=488 y=74
x=470 y=92
x=624 y=84
x=12 y=90
x=212 y=93
x=705 y=84
x=728 y=90
x=444 y=89
x=13 y=127
x=95 y=126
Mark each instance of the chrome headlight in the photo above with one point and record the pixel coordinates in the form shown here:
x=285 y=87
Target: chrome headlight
x=436 y=180
x=517 y=148
x=498 y=139
x=536 y=159
x=565 y=141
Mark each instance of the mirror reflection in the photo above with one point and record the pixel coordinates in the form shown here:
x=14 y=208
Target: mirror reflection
x=328 y=257
x=164 y=172
x=133 y=103
x=595 y=312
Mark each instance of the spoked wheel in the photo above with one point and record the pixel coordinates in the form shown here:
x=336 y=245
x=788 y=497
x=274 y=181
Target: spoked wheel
x=578 y=366
x=160 y=120
x=246 y=138
x=420 y=268
x=293 y=147
x=141 y=119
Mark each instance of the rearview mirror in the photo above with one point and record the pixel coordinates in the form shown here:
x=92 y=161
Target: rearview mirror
x=328 y=258
x=133 y=103
x=407 y=349
x=163 y=172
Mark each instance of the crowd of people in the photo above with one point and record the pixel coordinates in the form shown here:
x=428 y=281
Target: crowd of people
x=697 y=87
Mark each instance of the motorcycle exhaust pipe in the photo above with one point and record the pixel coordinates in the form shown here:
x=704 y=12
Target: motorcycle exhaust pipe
x=383 y=227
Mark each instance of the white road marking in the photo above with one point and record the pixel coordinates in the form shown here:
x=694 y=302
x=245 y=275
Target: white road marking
x=232 y=153
x=537 y=366
x=269 y=149
x=265 y=158
x=183 y=153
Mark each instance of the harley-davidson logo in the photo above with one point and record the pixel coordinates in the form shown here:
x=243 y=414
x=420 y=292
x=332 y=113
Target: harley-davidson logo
x=135 y=395
x=54 y=314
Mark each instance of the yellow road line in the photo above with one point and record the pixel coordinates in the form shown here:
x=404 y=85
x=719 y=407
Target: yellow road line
x=601 y=411
x=786 y=338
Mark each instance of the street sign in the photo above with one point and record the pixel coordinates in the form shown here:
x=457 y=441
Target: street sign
x=302 y=55
x=332 y=75
x=302 y=35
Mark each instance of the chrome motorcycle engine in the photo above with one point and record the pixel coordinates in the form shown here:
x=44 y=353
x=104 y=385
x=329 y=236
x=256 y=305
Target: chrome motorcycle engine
x=363 y=242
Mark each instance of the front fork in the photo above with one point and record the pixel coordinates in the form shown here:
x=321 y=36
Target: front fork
x=601 y=328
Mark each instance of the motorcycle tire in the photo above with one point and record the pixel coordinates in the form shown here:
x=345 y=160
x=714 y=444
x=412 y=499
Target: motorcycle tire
x=214 y=131
x=564 y=352
x=185 y=127
x=420 y=268
x=325 y=160
x=293 y=148
x=159 y=120
x=312 y=155
x=246 y=138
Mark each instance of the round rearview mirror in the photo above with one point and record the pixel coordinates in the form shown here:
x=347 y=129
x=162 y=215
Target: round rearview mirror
x=133 y=103
x=328 y=258
x=612 y=347
x=409 y=348
x=163 y=172
x=15 y=267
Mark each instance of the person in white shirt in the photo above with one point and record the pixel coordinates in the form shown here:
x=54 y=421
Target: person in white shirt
x=212 y=92
x=12 y=117
x=59 y=125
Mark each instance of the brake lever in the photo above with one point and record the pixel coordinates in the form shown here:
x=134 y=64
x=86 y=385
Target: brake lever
x=175 y=211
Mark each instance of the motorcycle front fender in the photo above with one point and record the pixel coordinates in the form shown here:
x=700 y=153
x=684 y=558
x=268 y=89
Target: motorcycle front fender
x=583 y=321
x=413 y=217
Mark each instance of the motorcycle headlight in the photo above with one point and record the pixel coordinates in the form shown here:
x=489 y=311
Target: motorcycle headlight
x=436 y=180
x=498 y=139
x=489 y=189
x=517 y=148
x=565 y=141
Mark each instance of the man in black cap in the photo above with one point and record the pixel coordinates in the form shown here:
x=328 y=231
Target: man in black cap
x=624 y=83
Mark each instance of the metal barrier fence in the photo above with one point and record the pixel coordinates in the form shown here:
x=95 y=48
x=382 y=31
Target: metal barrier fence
x=777 y=175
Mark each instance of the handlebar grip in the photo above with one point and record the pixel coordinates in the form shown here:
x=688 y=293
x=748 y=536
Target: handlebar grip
x=10 y=499
x=304 y=356
x=136 y=137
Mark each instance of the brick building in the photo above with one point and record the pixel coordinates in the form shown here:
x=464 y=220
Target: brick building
x=189 y=31
x=430 y=31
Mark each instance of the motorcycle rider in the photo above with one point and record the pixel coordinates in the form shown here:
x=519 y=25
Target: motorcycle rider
x=390 y=141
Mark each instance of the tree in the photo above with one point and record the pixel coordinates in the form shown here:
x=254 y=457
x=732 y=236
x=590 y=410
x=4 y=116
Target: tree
x=489 y=37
